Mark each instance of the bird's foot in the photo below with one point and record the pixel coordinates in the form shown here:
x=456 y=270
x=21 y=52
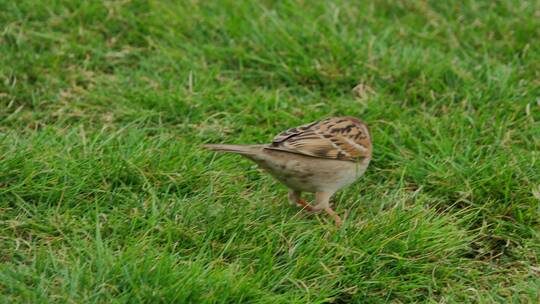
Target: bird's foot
x=336 y=217
x=305 y=205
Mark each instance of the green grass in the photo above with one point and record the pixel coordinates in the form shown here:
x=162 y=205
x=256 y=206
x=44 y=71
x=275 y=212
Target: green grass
x=106 y=195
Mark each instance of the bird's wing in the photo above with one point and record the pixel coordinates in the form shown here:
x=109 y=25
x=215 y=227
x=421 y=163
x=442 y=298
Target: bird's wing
x=343 y=138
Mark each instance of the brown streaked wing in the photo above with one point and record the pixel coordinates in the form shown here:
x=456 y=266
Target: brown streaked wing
x=333 y=138
x=292 y=132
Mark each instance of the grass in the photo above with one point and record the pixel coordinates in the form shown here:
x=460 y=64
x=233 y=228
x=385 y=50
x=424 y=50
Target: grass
x=106 y=195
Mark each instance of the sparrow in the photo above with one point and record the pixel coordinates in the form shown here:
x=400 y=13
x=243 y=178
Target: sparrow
x=320 y=157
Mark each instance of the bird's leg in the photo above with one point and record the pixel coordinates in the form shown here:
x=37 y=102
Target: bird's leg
x=294 y=196
x=322 y=200
x=294 y=199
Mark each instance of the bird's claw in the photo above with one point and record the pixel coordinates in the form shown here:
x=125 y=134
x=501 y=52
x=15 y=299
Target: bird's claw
x=305 y=205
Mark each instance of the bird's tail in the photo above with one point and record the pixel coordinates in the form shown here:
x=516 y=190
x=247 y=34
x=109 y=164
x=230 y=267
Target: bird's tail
x=239 y=149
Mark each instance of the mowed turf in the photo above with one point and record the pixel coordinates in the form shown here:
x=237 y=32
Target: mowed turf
x=107 y=197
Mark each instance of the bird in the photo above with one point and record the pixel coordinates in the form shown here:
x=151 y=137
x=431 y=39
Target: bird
x=320 y=157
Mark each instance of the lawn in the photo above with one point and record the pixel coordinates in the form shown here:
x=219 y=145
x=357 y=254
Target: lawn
x=106 y=195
